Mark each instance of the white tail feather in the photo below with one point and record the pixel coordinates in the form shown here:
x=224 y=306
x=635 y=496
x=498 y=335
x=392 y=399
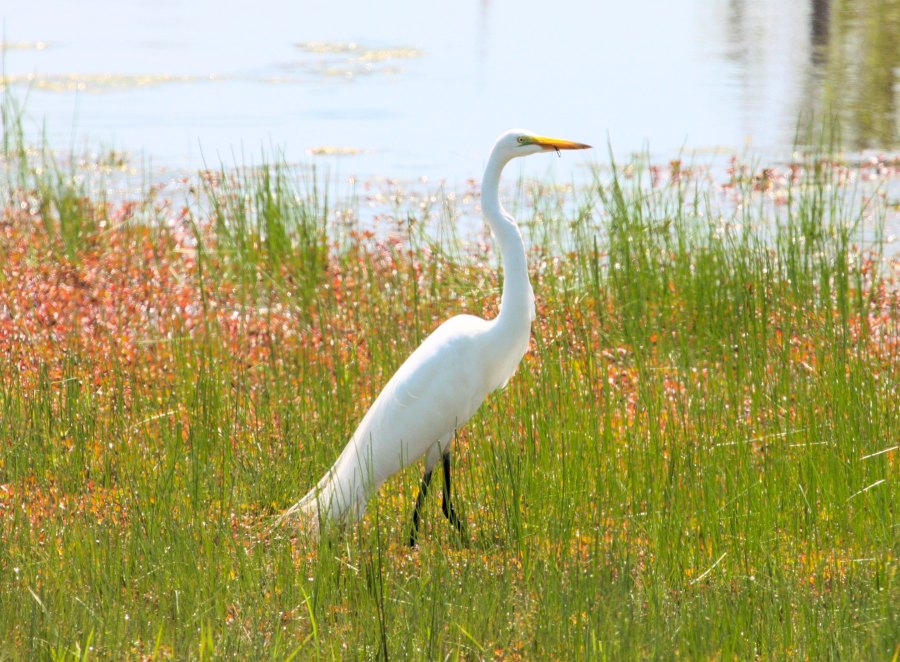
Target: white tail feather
x=305 y=512
x=336 y=493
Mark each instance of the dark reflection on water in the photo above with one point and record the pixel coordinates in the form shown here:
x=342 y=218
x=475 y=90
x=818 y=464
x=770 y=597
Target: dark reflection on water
x=818 y=30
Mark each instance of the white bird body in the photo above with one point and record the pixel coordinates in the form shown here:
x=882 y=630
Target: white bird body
x=445 y=380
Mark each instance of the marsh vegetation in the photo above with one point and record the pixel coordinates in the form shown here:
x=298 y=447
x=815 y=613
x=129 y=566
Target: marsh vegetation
x=697 y=459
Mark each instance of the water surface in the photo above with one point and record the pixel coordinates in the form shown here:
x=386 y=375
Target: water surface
x=406 y=89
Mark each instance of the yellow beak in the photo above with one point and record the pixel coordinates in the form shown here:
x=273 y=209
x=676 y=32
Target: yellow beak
x=556 y=143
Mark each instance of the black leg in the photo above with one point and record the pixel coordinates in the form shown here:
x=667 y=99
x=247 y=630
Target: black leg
x=447 y=503
x=420 y=500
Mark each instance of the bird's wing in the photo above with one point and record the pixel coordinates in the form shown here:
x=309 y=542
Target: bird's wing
x=436 y=390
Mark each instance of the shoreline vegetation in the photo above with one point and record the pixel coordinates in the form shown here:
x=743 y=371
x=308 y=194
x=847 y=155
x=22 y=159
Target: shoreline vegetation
x=698 y=458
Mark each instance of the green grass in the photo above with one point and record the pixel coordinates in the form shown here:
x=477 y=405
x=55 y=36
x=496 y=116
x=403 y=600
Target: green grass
x=684 y=466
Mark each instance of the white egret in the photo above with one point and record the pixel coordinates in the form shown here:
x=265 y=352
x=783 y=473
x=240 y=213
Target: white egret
x=444 y=381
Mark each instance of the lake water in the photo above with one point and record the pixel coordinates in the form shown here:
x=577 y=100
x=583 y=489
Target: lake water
x=417 y=89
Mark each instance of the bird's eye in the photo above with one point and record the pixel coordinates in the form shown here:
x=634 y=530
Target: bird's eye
x=521 y=140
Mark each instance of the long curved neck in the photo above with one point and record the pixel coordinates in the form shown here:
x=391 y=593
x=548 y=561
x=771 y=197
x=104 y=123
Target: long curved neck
x=517 y=302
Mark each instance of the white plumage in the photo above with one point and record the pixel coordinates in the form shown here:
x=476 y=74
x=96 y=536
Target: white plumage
x=444 y=381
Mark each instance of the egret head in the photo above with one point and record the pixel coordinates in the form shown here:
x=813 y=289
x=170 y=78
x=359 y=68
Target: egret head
x=522 y=143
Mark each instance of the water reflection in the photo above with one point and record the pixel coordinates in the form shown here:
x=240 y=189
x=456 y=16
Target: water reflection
x=839 y=59
x=857 y=56
x=819 y=19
